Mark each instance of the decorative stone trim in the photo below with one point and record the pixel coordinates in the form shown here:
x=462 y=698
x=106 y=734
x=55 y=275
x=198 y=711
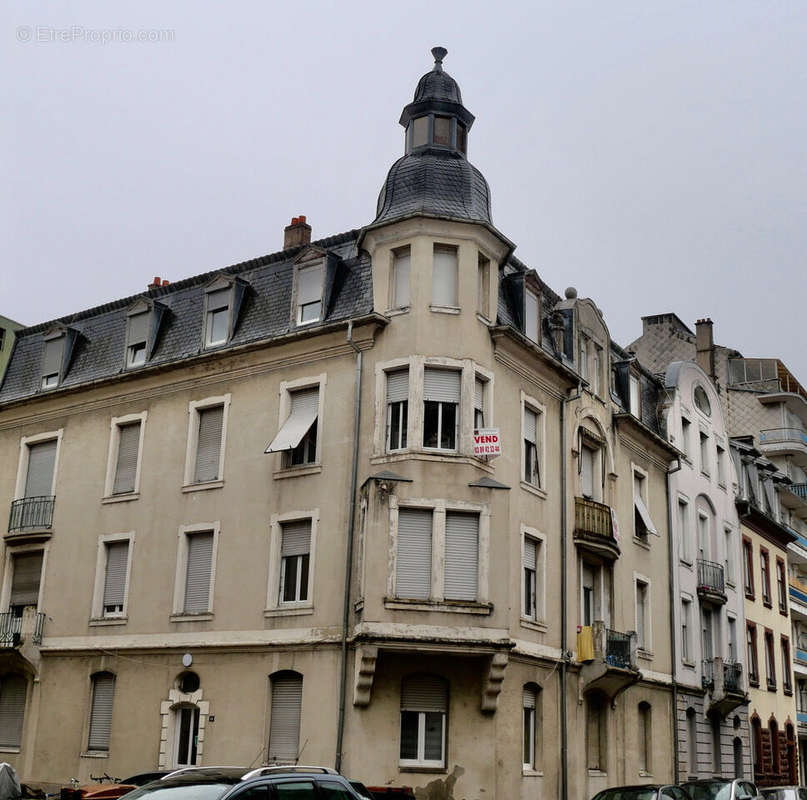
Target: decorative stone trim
x=493 y=683
x=366 y=658
x=167 y=731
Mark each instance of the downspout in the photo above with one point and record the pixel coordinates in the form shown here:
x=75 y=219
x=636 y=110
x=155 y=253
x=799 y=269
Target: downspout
x=340 y=725
x=564 y=653
x=673 y=657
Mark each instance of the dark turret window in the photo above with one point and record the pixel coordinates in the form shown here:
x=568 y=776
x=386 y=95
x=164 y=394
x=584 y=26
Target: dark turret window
x=420 y=132
x=442 y=131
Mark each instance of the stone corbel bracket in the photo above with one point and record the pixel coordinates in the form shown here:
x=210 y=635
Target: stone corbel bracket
x=366 y=658
x=493 y=683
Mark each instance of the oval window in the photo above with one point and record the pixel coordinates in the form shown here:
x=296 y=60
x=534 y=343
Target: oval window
x=188 y=682
x=702 y=401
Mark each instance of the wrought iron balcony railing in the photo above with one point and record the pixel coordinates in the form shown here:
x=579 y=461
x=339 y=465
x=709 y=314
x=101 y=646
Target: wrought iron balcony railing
x=708 y=673
x=799 y=489
x=617 y=649
x=711 y=577
x=732 y=676
x=31 y=513
x=15 y=629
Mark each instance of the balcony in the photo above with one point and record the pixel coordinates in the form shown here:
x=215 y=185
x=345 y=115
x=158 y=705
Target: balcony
x=784 y=441
x=725 y=685
x=798 y=597
x=800 y=490
x=609 y=659
x=594 y=528
x=16 y=631
x=711 y=582
x=30 y=517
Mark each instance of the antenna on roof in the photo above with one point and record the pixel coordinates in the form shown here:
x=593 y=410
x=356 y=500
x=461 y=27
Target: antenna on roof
x=439 y=54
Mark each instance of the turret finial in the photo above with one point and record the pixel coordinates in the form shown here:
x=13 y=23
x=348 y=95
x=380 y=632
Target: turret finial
x=439 y=54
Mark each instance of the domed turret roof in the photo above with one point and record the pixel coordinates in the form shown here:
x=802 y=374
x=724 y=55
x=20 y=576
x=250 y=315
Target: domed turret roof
x=437 y=84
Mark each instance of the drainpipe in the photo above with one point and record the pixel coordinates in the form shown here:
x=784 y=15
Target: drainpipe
x=564 y=653
x=673 y=657
x=340 y=725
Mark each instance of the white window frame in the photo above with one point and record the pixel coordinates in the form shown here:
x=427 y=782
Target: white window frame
x=395 y=253
x=527 y=401
x=704 y=449
x=731 y=555
x=421 y=761
x=22 y=467
x=298 y=309
x=530 y=767
x=179 y=613
x=439 y=507
x=720 y=462
x=685 y=536
x=274 y=606
x=445 y=306
x=483 y=277
x=646 y=646
x=731 y=624
x=602 y=591
x=194 y=407
x=8 y=572
x=687 y=602
x=528 y=533
x=635 y=469
x=287 y=388
x=116 y=423
x=685 y=445
x=98 y=615
x=635 y=409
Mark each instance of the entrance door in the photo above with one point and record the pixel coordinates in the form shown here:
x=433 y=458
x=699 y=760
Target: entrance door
x=186 y=726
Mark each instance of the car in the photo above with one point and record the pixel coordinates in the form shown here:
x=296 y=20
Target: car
x=142 y=778
x=784 y=793
x=721 y=789
x=244 y=783
x=391 y=792
x=646 y=791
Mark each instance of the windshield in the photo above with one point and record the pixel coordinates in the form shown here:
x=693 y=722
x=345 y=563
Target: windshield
x=181 y=791
x=713 y=790
x=627 y=794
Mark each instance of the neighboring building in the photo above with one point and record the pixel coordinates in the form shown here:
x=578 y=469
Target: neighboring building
x=172 y=594
x=711 y=667
x=8 y=330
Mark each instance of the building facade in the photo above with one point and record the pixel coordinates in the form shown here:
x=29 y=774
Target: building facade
x=248 y=523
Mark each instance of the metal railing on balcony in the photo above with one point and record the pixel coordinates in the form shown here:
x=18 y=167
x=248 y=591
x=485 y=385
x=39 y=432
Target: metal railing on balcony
x=593 y=518
x=799 y=489
x=732 y=676
x=31 y=513
x=711 y=576
x=708 y=674
x=617 y=649
x=783 y=435
x=10 y=629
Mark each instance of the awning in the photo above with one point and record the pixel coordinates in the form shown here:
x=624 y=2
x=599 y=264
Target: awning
x=304 y=409
x=645 y=515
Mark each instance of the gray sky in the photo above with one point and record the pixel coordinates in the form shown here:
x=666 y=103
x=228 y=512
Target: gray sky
x=650 y=154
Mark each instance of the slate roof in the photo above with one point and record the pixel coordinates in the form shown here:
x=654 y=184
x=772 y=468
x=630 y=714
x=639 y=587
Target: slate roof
x=265 y=312
x=438 y=85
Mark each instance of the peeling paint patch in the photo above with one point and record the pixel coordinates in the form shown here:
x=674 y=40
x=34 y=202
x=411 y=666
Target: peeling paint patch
x=442 y=788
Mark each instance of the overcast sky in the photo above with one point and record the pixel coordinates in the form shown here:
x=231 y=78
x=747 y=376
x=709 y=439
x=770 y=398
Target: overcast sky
x=650 y=154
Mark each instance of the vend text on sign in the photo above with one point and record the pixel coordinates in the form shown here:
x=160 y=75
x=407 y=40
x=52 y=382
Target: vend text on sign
x=487 y=442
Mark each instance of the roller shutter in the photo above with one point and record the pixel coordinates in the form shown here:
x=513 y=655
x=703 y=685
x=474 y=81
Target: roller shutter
x=401 y=270
x=441 y=385
x=126 y=466
x=296 y=538
x=208 y=448
x=197 y=583
x=41 y=461
x=52 y=359
x=529 y=697
x=424 y=693
x=444 y=277
x=138 y=328
x=530 y=554
x=414 y=562
x=117 y=557
x=284 y=729
x=398 y=386
x=25 y=581
x=103 y=691
x=462 y=556
x=531 y=315
x=304 y=410
x=530 y=426
x=13 y=689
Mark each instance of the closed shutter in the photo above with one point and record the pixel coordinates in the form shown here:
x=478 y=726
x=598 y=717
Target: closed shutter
x=444 y=277
x=138 y=328
x=103 y=691
x=530 y=554
x=424 y=693
x=770 y=494
x=126 y=467
x=117 y=557
x=13 y=689
x=284 y=728
x=462 y=556
x=296 y=538
x=530 y=426
x=25 y=581
x=197 y=583
x=52 y=360
x=41 y=461
x=398 y=386
x=529 y=697
x=304 y=411
x=401 y=289
x=479 y=394
x=309 y=285
x=753 y=480
x=413 y=570
x=441 y=385
x=218 y=300
x=208 y=448
x=531 y=316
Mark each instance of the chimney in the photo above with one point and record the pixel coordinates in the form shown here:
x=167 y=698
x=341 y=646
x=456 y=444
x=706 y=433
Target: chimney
x=705 y=344
x=297 y=234
x=155 y=284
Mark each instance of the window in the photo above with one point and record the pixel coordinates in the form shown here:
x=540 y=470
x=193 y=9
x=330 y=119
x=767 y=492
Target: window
x=721 y=465
x=595 y=593
x=692 y=740
x=284 y=723
x=532 y=466
x=597 y=363
x=756 y=736
x=462 y=138
x=297 y=437
x=197 y=577
x=103 y=690
x=295 y=552
x=582 y=358
x=207 y=435
x=424 y=703
x=704 y=549
x=531 y=315
x=765 y=573
x=309 y=294
x=397 y=409
x=186 y=726
x=770 y=662
x=442 y=131
x=41 y=465
x=686 y=426
x=441 y=398
x=401 y=272
x=717 y=766
x=707 y=635
x=589 y=457
x=137 y=339
x=529 y=709
x=643 y=614
x=483 y=286
x=787 y=683
x=731 y=568
x=53 y=358
x=123 y=471
x=635 y=397
x=116 y=573
x=13 y=689
x=684 y=530
x=217 y=317
x=702 y=401
x=645 y=730
x=781 y=585
x=420 y=131
x=25 y=581
x=642 y=523
x=704 y=439
x=733 y=653
x=748 y=568
x=596 y=734
x=414 y=561
x=328 y=790
x=530 y=600
x=751 y=646
x=2 y=338
x=461 y=556
x=686 y=628
x=479 y=403
x=444 y=276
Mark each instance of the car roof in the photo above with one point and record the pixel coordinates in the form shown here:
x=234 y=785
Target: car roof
x=205 y=775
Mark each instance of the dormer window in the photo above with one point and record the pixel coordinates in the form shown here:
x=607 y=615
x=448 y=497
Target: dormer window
x=635 y=397
x=137 y=339
x=309 y=294
x=218 y=312
x=53 y=358
x=531 y=315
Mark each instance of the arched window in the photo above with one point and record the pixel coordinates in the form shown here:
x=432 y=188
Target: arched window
x=103 y=692
x=756 y=735
x=717 y=761
x=531 y=725
x=596 y=733
x=738 y=758
x=774 y=732
x=644 y=737
x=284 y=724
x=424 y=705
x=692 y=741
x=12 y=709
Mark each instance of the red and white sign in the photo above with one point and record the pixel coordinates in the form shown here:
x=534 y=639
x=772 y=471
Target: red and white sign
x=487 y=442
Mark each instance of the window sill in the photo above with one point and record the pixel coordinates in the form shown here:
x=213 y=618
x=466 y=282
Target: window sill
x=771 y=687
x=531 y=773
x=450 y=606
x=450 y=457
x=428 y=770
x=788 y=692
x=120 y=498
x=753 y=682
x=643 y=773
x=646 y=655
x=181 y=616
x=297 y=472
x=645 y=545
x=749 y=596
x=783 y=612
x=688 y=664
x=767 y=603
x=483 y=318
x=10 y=749
x=533 y=625
x=201 y=487
x=597 y=773
x=532 y=489
x=95 y=754
x=288 y=611
x=99 y=622
x=394 y=312
x=445 y=309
